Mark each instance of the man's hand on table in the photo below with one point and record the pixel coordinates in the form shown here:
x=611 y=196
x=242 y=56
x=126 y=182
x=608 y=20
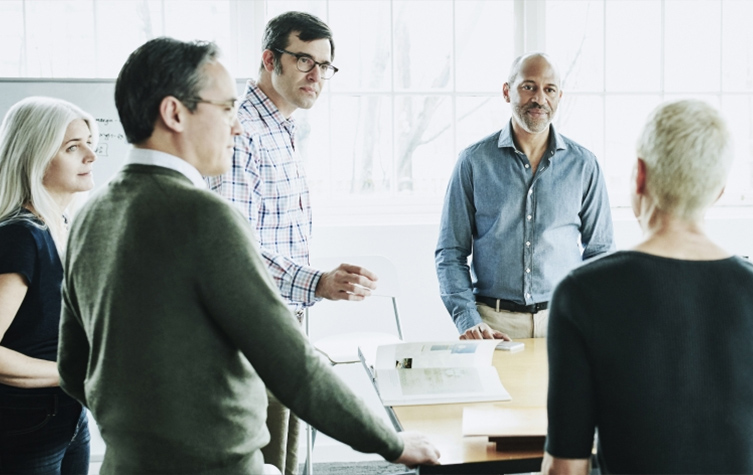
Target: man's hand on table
x=482 y=331
x=417 y=450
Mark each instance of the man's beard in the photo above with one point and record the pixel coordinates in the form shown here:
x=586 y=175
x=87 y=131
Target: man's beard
x=533 y=125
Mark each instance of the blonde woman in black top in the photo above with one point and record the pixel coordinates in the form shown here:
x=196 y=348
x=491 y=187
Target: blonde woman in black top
x=46 y=156
x=652 y=346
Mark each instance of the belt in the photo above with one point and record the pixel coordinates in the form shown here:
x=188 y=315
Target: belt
x=500 y=304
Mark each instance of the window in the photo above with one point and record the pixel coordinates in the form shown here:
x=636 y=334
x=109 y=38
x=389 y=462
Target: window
x=420 y=80
x=620 y=59
x=93 y=38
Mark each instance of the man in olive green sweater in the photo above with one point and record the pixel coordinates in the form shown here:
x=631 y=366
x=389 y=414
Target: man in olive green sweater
x=171 y=326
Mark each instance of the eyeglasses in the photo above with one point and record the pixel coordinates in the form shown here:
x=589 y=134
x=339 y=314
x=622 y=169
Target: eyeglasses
x=306 y=63
x=230 y=106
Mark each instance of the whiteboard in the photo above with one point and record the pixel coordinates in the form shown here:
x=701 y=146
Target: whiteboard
x=95 y=96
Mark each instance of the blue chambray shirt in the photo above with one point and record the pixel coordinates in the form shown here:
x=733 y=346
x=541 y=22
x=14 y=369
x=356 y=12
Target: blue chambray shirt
x=524 y=232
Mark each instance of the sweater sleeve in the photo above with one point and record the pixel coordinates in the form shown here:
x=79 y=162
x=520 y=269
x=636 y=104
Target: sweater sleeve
x=570 y=400
x=243 y=299
x=73 y=350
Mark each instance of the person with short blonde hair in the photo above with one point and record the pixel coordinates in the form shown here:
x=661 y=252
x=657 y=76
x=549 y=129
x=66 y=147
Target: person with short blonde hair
x=46 y=155
x=685 y=146
x=651 y=346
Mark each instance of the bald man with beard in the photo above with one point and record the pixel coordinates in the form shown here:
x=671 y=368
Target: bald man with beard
x=528 y=205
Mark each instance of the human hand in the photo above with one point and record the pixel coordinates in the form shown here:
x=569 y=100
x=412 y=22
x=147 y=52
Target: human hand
x=417 y=450
x=346 y=282
x=482 y=331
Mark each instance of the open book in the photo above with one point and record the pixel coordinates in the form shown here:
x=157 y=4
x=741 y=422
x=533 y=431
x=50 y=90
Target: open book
x=435 y=372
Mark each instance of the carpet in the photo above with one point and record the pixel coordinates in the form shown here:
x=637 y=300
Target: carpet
x=358 y=468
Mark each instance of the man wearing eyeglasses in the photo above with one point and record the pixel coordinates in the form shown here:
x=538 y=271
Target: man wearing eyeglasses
x=268 y=183
x=529 y=205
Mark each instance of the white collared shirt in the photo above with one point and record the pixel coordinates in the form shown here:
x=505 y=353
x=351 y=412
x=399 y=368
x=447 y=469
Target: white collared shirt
x=143 y=156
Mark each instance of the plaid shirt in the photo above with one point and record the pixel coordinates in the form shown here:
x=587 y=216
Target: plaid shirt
x=268 y=184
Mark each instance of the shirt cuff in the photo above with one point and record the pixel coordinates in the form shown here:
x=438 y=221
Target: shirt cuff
x=304 y=286
x=466 y=320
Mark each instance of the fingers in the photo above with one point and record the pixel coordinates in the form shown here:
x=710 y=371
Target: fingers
x=346 y=282
x=501 y=336
x=368 y=278
x=417 y=450
x=482 y=331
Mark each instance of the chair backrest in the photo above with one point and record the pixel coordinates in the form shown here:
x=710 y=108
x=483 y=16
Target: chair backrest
x=379 y=312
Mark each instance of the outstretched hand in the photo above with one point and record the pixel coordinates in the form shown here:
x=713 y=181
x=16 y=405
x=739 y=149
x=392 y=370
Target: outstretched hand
x=482 y=331
x=346 y=282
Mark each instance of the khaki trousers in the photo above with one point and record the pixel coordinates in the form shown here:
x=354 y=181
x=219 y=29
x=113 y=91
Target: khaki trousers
x=284 y=429
x=515 y=324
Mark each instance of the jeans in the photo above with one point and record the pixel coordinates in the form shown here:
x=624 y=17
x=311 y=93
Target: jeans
x=43 y=434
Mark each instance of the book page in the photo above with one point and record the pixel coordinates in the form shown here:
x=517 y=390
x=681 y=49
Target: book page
x=436 y=354
x=398 y=387
x=438 y=372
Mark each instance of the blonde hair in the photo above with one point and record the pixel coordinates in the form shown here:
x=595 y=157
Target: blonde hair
x=30 y=136
x=687 y=150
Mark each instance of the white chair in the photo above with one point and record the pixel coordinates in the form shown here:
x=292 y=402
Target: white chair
x=352 y=319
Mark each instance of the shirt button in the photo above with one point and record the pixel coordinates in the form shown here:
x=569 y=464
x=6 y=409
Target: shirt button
x=530 y=192
x=528 y=296
x=526 y=165
x=529 y=217
x=528 y=243
x=528 y=271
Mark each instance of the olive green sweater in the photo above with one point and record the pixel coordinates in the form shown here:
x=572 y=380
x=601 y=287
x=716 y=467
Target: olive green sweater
x=171 y=328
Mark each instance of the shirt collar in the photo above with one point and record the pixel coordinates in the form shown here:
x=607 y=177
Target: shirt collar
x=506 y=141
x=143 y=156
x=266 y=108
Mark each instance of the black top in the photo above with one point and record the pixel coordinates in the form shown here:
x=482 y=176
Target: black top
x=655 y=353
x=30 y=251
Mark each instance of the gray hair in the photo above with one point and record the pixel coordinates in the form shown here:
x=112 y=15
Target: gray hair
x=159 y=68
x=687 y=150
x=518 y=62
x=30 y=136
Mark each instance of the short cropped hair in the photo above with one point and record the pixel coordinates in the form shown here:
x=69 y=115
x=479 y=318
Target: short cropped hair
x=31 y=135
x=278 y=29
x=159 y=68
x=515 y=66
x=687 y=150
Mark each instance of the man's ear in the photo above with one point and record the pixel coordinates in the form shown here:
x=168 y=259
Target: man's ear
x=506 y=92
x=268 y=60
x=172 y=113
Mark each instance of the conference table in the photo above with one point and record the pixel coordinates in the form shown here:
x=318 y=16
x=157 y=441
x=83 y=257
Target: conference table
x=524 y=375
